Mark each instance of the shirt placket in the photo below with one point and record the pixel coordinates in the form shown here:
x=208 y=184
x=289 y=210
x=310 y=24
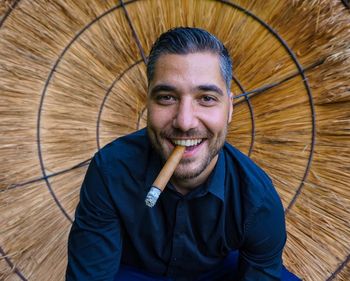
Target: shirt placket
x=176 y=258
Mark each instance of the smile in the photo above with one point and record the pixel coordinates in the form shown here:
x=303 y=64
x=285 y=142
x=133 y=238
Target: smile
x=187 y=143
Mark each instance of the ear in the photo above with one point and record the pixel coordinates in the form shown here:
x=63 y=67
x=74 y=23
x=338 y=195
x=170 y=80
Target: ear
x=231 y=108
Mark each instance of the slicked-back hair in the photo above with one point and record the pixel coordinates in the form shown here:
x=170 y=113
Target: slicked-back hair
x=189 y=40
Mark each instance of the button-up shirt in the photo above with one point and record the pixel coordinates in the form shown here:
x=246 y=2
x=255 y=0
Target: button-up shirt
x=237 y=208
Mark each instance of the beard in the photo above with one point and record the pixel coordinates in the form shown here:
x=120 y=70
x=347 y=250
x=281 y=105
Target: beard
x=187 y=174
x=189 y=168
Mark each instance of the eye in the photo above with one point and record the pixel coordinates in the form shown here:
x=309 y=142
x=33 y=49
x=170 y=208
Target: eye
x=207 y=100
x=165 y=99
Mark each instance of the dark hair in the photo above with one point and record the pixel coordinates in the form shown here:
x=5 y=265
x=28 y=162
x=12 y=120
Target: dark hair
x=187 y=40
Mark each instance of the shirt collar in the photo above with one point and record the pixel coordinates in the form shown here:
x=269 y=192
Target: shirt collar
x=216 y=181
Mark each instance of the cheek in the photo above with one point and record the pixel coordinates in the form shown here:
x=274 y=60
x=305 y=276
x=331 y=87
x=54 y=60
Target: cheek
x=158 y=118
x=216 y=121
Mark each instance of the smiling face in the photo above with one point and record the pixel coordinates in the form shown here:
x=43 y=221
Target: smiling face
x=188 y=104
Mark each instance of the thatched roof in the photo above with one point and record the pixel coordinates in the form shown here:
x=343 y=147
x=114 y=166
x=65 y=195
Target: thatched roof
x=72 y=78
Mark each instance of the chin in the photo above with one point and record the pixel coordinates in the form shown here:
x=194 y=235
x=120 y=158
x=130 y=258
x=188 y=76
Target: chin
x=187 y=172
x=187 y=175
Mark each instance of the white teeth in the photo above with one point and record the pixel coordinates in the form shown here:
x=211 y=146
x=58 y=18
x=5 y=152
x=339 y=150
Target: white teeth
x=191 y=142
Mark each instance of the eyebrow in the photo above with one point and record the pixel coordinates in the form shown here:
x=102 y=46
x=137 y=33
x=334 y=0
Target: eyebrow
x=162 y=88
x=210 y=88
x=169 y=88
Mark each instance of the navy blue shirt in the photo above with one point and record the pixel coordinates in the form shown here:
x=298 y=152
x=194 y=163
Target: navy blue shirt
x=236 y=209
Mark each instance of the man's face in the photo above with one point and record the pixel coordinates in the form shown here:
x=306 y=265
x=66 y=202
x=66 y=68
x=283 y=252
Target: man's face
x=188 y=105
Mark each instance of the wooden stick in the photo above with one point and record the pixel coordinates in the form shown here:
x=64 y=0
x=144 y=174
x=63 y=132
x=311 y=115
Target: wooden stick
x=164 y=175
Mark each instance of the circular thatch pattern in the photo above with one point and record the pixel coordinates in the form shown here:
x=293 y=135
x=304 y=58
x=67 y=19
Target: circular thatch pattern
x=72 y=78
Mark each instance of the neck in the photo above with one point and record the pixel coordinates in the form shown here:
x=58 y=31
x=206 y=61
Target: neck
x=184 y=186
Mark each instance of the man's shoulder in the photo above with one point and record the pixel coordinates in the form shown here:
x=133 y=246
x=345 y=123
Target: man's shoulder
x=254 y=183
x=128 y=148
x=244 y=164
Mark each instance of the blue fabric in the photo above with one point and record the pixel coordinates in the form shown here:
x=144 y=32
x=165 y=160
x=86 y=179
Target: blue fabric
x=182 y=237
x=226 y=271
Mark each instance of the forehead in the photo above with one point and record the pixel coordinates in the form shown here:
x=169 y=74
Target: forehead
x=196 y=67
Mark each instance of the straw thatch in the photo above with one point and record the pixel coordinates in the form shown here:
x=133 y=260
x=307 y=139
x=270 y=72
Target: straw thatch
x=72 y=78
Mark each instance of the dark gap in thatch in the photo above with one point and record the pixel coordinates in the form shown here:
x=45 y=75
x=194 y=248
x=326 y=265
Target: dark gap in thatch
x=340 y=268
x=346 y=3
x=79 y=165
x=8 y=12
x=137 y=39
x=105 y=99
x=260 y=90
x=47 y=82
x=13 y=267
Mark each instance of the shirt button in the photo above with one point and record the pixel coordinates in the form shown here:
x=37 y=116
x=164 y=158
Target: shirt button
x=174 y=259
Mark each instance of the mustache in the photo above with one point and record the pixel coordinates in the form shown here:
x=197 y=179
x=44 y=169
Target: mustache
x=193 y=133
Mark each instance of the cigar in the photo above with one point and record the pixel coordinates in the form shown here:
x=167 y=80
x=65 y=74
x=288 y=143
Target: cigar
x=164 y=175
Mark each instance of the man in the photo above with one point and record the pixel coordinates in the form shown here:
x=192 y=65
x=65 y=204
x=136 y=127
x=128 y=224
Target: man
x=219 y=217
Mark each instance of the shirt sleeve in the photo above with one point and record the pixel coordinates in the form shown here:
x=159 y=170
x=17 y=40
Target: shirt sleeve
x=95 y=240
x=260 y=258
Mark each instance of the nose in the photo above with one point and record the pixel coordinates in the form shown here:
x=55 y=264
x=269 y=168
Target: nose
x=185 y=118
